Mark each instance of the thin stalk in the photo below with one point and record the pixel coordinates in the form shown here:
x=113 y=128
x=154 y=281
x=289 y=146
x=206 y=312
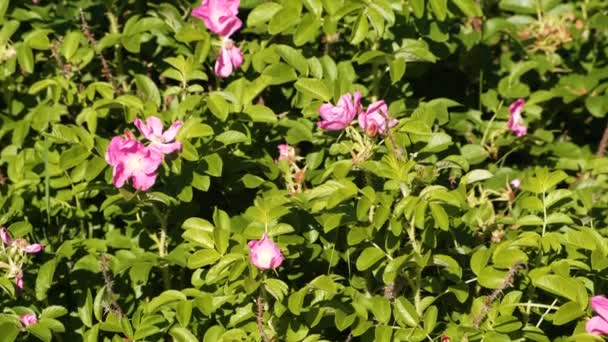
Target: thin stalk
x=162 y=242
x=544 y=212
x=540 y=321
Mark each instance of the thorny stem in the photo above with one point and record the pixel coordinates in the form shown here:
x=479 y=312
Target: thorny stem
x=105 y=66
x=109 y=282
x=601 y=149
x=507 y=282
x=260 y=317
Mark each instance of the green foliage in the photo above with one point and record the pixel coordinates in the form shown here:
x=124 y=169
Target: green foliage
x=418 y=234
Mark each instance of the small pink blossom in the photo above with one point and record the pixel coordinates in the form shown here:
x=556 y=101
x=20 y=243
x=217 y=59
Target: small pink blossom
x=516 y=183
x=130 y=159
x=516 y=122
x=264 y=254
x=19 y=280
x=152 y=129
x=598 y=325
x=340 y=116
x=220 y=16
x=28 y=319
x=229 y=59
x=287 y=152
x=33 y=248
x=5 y=236
x=376 y=119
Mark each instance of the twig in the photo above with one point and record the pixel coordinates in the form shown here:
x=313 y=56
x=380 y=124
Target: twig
x=107 y=278
x=601 y=149
x=260 y=318
x=507 y=282
x=105 y=66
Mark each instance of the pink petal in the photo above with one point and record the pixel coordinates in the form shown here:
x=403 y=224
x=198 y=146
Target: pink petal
x=142 y=128
x=5 y=236
x=143 y=181
x=155 y=125
x=19 y=281
x=169 y=135
x=223 y=64
x=120 y=175
x=34 y=248
x=236 y=57
x=596 y=325
x=28 y=319
x=600 y=305
x=167 y=148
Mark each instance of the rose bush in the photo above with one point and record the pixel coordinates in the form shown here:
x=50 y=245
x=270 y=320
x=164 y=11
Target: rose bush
x=303 y=170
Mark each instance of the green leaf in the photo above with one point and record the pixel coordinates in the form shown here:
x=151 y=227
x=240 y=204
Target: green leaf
x=440 y=9
x=562 y=286
x=381 y=308
x=360 y=30
x=261 y=113
x=262 y=13
x=295 y=301
x=181 y=334
x=440 y=216
x=567 y=313
x=476 y=176
x=232 y=137
x=164 y=298
x=293 y=57
x=25 y=58
x=44 y=280
x=218 y=106
x=70 y=44
x=405 y=312
x=368 y=257
x=313 y=87
x=203 y=258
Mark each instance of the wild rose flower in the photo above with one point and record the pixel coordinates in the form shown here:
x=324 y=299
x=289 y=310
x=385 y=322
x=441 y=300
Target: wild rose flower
x=516 y=183
x=598 y=324
x=374 y=119
x=264 y=254
x=220 y=16
x=516 y=122
x=152 y=129
x=132 y=160
x=287 y=152
x=28 y=319
x=5 y=236
x=229 y=59
x=337 y=118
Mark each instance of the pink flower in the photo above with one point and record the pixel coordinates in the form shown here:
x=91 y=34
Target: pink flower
x=5 y=236
x=598 y=324
x=516 y=123
x=152 y=129
x=230 y=58
x=33 y=248
x=131 y=159
x=287 y=152
x=337 y=118
x=28 y=319
x=19 y=280
x=220 y=16
x=516 y=183
x=264 y=254
x=376 y=119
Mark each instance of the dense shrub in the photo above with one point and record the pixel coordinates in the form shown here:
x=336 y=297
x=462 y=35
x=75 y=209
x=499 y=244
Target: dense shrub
x=336 y=170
